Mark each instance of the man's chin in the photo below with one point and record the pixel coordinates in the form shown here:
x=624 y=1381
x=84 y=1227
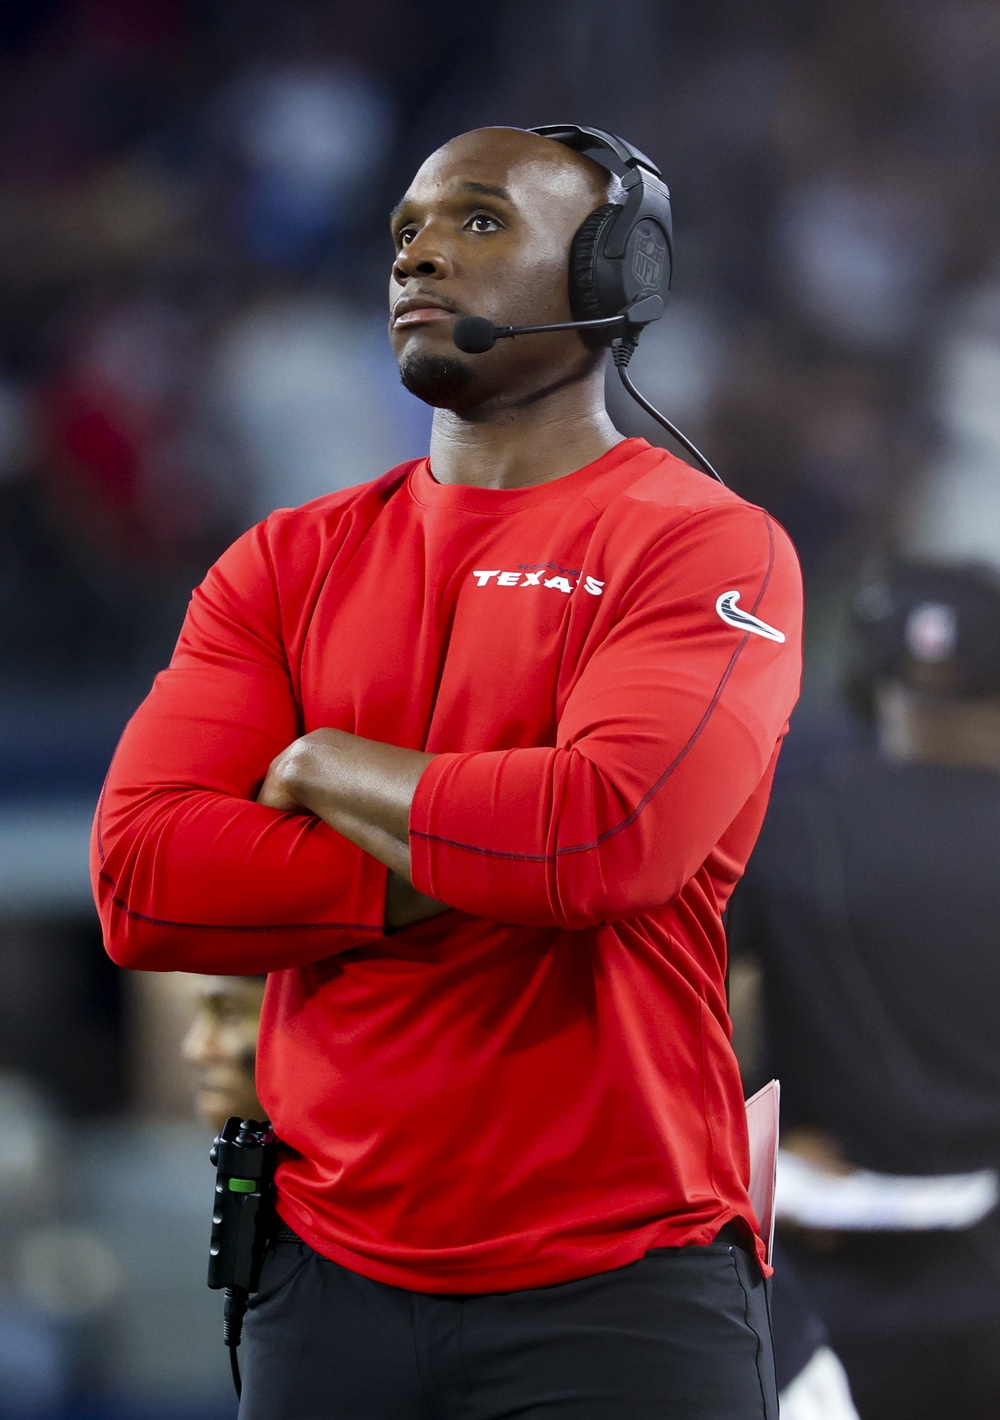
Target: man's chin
x=443 y=381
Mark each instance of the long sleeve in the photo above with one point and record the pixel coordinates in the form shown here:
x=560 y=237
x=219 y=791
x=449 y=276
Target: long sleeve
x=669 y=726
x=190 y=873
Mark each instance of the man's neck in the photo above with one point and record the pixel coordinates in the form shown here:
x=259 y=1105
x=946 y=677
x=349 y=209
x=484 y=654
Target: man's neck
x=517 y=446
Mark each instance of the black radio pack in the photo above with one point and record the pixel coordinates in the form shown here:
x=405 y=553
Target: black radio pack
x=244 y=1155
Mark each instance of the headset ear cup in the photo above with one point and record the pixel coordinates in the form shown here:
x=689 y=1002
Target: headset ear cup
x=584 y=300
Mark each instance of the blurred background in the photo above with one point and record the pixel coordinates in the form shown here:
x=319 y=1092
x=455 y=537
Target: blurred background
x=194 y=200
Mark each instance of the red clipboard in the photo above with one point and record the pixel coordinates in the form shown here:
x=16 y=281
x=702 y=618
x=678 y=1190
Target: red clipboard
x=762 y=1128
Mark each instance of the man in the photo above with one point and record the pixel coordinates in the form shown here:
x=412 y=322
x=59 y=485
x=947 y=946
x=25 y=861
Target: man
x=871 y=906
x=469 y=759
x=220 y=1046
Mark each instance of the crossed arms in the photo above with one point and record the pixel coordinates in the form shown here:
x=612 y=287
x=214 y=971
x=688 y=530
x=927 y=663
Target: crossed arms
x=228 y=840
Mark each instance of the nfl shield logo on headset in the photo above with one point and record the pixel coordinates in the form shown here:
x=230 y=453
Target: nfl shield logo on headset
x=648 y=255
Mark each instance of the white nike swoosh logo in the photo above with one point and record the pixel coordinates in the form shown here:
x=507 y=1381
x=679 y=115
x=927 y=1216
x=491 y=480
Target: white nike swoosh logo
x=744 y=620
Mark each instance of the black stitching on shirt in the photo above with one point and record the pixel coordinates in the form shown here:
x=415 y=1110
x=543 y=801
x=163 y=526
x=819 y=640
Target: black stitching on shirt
x=241 y=927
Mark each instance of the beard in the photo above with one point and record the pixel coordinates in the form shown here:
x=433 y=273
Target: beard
x=439 y=380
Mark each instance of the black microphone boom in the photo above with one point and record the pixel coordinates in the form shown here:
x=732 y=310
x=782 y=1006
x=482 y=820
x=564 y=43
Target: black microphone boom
x=474 y=335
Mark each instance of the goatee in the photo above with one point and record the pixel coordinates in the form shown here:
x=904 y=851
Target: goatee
x=439 y=380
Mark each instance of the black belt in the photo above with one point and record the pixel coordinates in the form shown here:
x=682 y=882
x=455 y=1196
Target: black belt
x=729 y=1233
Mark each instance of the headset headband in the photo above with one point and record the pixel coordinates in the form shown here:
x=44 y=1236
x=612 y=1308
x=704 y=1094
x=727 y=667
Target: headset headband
x=571 y=135
x=646 y=196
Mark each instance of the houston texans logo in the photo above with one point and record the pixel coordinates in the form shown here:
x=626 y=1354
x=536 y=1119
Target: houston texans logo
x=744 y=620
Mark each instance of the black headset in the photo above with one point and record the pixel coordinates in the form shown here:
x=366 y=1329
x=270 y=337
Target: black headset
x=621 y=259
x=620 y=265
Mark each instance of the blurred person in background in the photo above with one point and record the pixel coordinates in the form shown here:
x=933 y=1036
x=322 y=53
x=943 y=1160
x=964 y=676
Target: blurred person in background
x=812 y=1383
x=220 y=1046
x=871 y=907
x=418 y=761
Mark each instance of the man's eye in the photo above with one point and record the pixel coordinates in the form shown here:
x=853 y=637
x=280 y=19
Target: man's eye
x=406 y=236
x=481 y=222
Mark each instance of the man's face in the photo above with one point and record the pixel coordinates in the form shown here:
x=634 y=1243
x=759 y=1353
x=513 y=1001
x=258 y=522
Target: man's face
x=221 y=1045
x=485 y=229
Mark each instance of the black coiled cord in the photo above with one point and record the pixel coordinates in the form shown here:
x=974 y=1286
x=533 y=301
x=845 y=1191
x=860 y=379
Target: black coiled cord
x=233 y=1313
x=621 y=353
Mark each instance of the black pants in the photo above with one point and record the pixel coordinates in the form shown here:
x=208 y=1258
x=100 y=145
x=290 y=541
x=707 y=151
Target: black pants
x=683 y=1332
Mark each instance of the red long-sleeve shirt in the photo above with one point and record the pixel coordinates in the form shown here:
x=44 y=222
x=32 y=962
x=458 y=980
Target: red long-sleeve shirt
x=537 y=1085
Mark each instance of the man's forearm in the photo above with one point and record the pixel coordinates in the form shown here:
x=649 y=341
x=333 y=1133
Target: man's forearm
x=364 y=790
x=360 y=787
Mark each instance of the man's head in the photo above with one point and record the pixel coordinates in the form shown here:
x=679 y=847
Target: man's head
x=926 y=660
x=932 y=626
x=221 y=1045
x=485 y=229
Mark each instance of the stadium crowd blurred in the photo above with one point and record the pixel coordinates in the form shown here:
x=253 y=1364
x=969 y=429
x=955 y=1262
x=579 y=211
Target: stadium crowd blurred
x=193 y=256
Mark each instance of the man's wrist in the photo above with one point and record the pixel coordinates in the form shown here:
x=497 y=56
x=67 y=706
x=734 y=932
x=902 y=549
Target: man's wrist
x=304 y=775
x=362 y=788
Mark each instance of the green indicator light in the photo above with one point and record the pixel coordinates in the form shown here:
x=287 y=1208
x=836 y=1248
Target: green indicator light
x=242 y=1185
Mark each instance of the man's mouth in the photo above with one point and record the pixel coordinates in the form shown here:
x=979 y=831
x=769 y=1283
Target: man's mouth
x=418 y=310
x=423 y=315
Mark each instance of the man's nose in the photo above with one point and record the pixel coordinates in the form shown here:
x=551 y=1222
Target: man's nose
x=425 y=256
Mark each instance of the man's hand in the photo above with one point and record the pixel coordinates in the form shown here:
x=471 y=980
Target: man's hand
x=404 y=905
x=273 y=793
x=364 y=790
